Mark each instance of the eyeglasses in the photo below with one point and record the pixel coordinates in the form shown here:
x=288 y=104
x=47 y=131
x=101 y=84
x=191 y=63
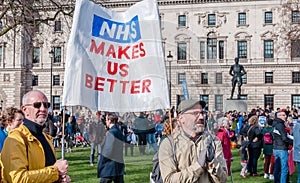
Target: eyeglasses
x=37 y=105
x=195 y=113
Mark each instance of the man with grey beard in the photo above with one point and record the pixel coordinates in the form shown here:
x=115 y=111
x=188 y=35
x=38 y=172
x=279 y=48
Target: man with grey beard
x=199 y=154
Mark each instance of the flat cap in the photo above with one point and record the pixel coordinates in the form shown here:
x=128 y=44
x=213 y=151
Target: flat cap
x=188 y=104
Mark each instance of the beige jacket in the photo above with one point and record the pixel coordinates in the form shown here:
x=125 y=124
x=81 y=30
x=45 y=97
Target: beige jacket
x=187 y=153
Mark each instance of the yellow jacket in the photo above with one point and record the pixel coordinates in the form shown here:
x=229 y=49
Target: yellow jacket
x=26 y=165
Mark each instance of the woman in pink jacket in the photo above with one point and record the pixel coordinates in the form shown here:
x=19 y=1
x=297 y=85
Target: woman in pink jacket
x=223 y=134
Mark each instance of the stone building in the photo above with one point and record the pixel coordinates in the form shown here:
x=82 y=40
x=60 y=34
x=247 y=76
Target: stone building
x=201 y=37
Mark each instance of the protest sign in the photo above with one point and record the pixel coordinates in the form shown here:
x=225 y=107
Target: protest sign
x=115 y=60
x=262 y=120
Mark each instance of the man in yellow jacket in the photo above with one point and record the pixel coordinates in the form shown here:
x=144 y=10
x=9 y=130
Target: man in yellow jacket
x=199 y=155
x=28 y=154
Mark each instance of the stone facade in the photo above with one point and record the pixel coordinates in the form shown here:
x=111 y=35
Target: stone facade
x=197 y=30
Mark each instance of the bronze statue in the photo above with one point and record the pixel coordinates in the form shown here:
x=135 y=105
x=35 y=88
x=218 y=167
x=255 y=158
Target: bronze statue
x=236 y=71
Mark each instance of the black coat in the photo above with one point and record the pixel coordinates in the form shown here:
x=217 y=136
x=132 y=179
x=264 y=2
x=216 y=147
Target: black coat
x=252 y=134
x=280 y=139
x=141 y=125
x=111 y=160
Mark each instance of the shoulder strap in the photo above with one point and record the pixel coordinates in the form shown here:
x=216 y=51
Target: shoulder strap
x=249 y=130
x=174 y=152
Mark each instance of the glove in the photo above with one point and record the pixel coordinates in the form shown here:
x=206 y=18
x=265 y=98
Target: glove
x=210 y=155
x=206 y=155
x=202 y=158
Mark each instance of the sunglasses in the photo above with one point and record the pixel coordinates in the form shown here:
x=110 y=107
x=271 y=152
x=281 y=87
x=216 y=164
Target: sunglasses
x=37 y=105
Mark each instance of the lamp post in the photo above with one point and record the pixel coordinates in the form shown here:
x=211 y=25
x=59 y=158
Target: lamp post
x=169 y=59
x=51 y=54
x=1 y=106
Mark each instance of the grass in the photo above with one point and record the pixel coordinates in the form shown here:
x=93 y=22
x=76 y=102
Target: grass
x=138 y=168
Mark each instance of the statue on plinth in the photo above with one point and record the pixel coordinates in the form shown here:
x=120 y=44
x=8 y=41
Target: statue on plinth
x=236 y=71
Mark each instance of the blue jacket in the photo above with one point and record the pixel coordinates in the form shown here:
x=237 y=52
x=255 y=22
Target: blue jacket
x=239 y=125
x=111 y=160
x=3 y=135
x=296 y=143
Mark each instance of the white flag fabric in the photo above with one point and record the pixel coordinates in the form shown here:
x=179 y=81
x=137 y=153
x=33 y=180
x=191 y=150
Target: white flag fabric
x=115 y=60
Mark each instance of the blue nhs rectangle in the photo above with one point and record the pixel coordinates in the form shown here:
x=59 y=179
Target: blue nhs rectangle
x=128 y=32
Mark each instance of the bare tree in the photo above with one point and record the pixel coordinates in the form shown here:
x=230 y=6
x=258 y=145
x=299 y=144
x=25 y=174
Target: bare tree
x=289 y=28
x=30 y=13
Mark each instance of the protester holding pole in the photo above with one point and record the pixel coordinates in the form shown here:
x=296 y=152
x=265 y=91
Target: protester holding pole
x=28 y=153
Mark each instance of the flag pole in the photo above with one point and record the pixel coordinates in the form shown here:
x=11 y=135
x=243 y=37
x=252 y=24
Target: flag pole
x=170 y=120
x=63 y=134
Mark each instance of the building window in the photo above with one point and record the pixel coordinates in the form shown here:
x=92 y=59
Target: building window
x=205 y=99
x=295 y=48
x=296 y=100
x=56 y=80
x=242 y=49
x=179 y=99
x=181 y=50
x=268 y=77
x=268 y=17
x=269 y=100
x=221 y=49
x=57 y=27
x=242 y=19
x=268 y=49
x=36 y=55
x=211 y=19
x=202 y=50
x=57 y=55
x=181 y=20
x=35 y=80
x=211 y=48
x=219 y=78
x=1 y=54
x=204 y=78
x=6 y=77
x=219 y=102
x=295 y=17
x=181 y=77
x=295 y=77
x=244 y=79
x=56 y=103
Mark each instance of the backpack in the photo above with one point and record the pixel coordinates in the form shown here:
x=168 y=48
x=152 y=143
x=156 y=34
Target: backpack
x=268 y=139
x=155 y=175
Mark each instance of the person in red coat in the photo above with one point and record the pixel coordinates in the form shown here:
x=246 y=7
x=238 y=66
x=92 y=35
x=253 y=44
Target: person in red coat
x=223 y=134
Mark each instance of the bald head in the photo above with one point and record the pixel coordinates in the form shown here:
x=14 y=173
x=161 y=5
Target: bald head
x=31 y=94
x=35 y=106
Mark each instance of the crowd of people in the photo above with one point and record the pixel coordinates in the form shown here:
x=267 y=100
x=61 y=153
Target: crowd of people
x=201 y=140
x=261 y=133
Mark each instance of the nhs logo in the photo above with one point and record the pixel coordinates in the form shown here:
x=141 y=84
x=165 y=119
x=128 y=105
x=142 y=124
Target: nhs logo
x=128 y=32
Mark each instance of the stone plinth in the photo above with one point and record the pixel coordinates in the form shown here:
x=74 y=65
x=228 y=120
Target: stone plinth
x=235 y=104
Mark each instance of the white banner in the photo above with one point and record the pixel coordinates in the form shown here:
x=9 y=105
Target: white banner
x=115 y=60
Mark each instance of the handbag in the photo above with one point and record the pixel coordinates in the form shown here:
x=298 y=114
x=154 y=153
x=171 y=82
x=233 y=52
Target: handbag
x=128 y=138
x=133 y=139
